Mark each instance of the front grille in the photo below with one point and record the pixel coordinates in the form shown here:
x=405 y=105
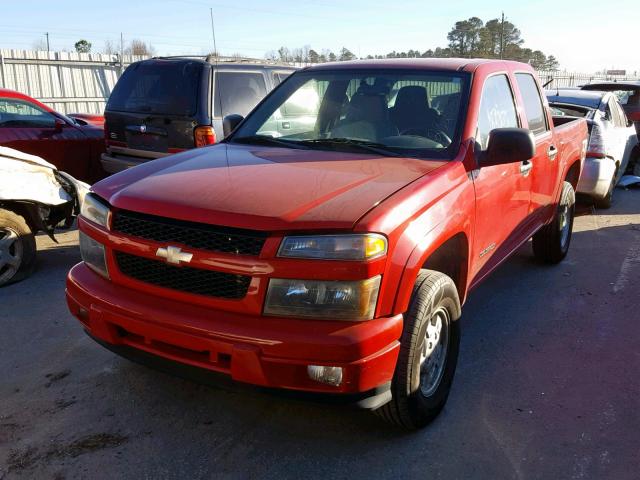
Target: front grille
x=183 y=279
x=195 y=235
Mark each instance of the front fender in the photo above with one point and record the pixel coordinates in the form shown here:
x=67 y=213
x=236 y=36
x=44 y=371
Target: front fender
x=450 y=226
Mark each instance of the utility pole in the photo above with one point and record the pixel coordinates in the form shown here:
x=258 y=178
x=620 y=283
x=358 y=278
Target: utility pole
x=121 y=53
x=502 y=37
x=213 y=34
x=47 y=35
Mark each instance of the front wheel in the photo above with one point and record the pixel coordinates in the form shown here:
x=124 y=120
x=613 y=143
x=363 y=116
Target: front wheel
x=551 y=242
x=428 y=353
x=17 y=248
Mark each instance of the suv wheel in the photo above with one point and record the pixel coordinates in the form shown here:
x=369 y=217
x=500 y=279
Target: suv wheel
x=17 y=248
x=428 y=353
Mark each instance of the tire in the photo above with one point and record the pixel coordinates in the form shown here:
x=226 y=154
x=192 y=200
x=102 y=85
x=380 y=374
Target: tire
x=17 y=248
x=420 y=392
x=551 y=242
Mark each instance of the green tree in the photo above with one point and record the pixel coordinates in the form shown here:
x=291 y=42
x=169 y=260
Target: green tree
x=314 y=57
x=464 y=38
x=345 y=55
x=552 y=63
x=82 y=46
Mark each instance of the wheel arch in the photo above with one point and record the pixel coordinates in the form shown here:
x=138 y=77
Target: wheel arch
x=450 y=256
x=573 y=174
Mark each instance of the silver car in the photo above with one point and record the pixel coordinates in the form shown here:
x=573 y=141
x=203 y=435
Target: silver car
x=612 y=139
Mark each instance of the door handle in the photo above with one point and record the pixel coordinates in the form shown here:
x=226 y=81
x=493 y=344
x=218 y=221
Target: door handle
x=525 y=167
x=552 y=152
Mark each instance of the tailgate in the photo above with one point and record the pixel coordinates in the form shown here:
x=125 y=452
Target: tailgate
x=152 y=133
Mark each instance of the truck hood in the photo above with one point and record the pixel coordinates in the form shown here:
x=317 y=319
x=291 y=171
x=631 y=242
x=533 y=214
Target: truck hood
x=263 y=188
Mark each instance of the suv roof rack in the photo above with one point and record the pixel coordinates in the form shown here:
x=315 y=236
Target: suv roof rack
x=213 y=59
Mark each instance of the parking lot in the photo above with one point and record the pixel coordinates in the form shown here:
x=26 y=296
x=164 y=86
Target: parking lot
x=546 y=387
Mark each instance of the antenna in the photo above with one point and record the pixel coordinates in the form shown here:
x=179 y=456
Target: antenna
x=217 y=55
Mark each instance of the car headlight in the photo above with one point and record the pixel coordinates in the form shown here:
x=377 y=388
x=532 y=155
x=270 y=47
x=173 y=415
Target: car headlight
x=95 y=210
x=330 y=300
x=93 y=255
x=334 y=247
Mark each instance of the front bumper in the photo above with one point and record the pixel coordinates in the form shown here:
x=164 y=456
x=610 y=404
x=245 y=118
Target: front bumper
x=260 y=351
x=596 y=177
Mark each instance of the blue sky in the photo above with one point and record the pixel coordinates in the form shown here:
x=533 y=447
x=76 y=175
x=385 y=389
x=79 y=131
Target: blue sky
x=584 y=35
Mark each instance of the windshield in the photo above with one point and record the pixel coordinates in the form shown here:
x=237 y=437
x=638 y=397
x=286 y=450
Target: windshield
x=388 y=112
x=158 y=86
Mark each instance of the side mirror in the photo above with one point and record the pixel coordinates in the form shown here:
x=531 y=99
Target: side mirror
x=230 y=122
x=509 y=145
x=59 y=125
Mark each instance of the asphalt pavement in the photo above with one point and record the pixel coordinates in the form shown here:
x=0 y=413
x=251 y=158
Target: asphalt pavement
x=547 y=387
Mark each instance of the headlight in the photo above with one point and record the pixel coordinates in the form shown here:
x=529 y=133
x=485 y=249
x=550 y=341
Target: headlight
x=92 y=253
x=330 y=300
x=95 y=210
x=334 y=247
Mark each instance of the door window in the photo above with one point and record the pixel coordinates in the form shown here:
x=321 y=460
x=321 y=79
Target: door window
x=238 y=92
x=497 y=108
x=21 y=114
x=533 y=106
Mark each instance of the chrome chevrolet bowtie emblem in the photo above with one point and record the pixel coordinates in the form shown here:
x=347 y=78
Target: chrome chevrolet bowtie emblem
x=174 y=255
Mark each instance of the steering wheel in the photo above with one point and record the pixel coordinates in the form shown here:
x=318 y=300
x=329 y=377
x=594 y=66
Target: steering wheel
x=434 y=134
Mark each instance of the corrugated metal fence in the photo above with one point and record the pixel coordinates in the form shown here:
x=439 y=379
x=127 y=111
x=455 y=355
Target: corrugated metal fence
x=66 y=81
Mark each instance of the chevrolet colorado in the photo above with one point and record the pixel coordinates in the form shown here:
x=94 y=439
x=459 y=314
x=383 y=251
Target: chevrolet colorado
x=331 y=255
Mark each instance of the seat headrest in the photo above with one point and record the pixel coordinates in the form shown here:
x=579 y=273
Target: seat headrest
x=411 y=96
x=369 y=107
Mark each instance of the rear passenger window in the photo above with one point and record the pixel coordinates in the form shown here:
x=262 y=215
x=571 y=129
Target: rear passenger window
x=16 y=113
x=497 y=109
x=238 y=92
x=533 y=108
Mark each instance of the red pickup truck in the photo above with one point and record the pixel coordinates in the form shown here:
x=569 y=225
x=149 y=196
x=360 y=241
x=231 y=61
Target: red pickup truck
x=332 y=260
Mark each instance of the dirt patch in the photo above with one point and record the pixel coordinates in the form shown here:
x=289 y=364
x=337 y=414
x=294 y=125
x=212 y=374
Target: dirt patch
x=30 y=457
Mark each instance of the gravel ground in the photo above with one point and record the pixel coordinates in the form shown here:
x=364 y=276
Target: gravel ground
x=546 y=387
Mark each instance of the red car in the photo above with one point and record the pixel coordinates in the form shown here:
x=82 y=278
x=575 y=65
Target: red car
x=31 y=127
x=333 y=260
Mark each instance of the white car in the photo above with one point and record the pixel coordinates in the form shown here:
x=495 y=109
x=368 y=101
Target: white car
x=612 y=139
x=34 y=197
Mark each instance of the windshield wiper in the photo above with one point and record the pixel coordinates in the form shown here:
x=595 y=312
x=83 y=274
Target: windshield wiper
x=266 y=140
x=373 y=147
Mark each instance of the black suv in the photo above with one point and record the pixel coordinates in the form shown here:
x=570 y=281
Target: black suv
x=169 y=104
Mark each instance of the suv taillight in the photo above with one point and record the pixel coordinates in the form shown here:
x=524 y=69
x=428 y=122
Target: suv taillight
x=204 y=135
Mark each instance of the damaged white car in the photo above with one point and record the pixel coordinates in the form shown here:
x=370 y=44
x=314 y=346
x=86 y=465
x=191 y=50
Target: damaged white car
x=34 y=197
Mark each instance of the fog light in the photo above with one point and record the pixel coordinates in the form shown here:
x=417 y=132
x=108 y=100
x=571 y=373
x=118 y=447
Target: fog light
x=324 y=374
